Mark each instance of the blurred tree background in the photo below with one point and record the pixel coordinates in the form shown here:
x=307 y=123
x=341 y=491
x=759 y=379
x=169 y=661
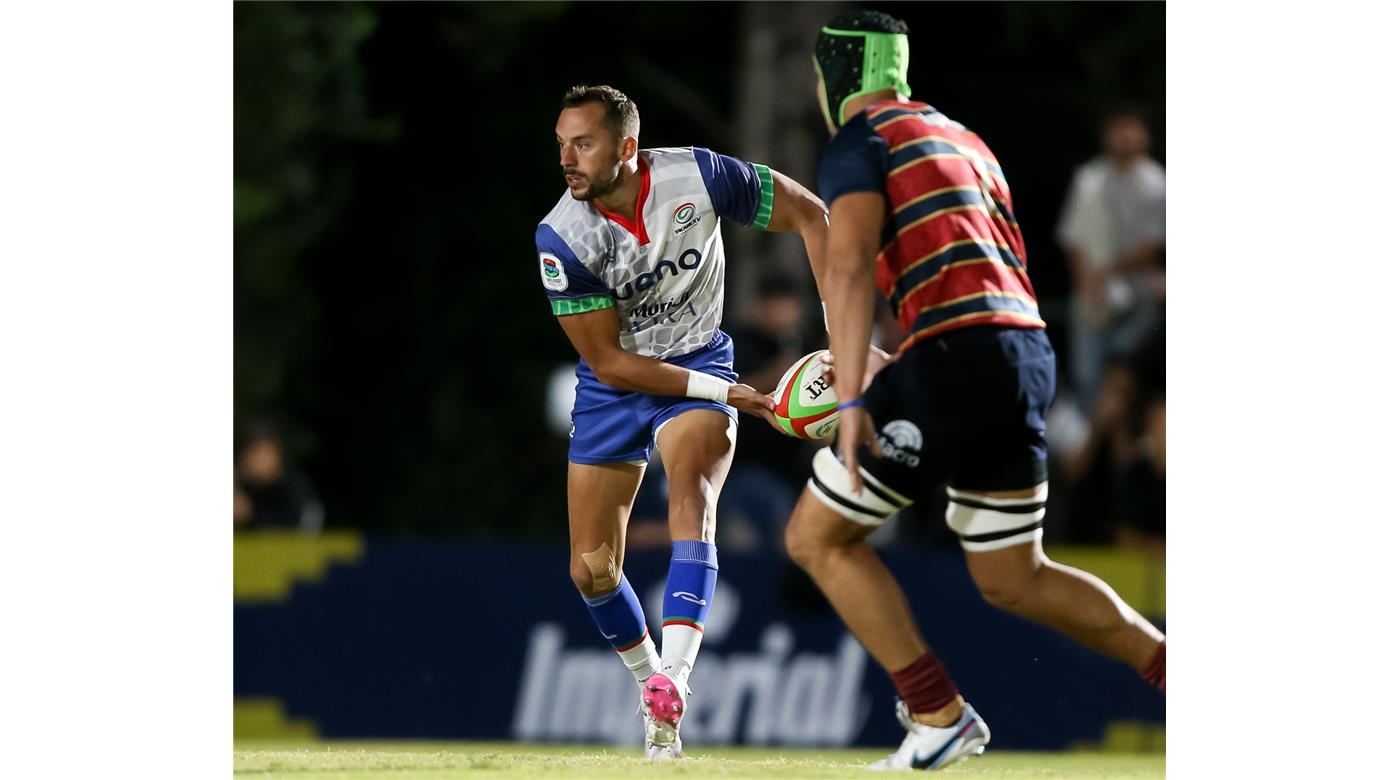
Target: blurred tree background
x=391 y=162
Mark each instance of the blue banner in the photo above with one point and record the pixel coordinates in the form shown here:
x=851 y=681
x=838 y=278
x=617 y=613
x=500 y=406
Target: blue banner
x=412 y=639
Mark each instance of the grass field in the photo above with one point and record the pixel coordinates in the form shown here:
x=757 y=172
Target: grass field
x=445 y=760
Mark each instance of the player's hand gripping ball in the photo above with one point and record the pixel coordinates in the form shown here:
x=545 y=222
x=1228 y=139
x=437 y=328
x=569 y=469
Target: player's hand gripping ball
x=806 y=398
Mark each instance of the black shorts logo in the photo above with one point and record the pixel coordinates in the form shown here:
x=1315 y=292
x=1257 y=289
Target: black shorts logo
x=901 y=442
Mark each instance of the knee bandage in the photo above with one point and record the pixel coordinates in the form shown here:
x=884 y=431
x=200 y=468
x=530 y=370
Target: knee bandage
x=832 y=485
x=603 y=566
x=984 y=523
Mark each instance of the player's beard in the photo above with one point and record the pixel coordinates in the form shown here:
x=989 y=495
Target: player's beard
x=598 y=188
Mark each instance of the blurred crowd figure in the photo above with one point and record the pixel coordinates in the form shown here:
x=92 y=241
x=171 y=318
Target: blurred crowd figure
x=769 y=468
x=267 y=491
x=1111 y=468
x=1108 y=432
x=1113 y=230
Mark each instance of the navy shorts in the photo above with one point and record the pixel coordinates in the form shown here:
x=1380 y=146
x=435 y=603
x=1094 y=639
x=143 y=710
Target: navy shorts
x=615 y=426
x=966 y=409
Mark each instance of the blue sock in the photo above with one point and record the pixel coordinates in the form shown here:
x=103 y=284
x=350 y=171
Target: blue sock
x=690 y=587
x=618 y=614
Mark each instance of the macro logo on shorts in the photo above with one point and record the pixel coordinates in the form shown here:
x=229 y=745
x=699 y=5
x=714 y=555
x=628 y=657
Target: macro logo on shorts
x=901 y=442
x=552 y=273
x=685 y=217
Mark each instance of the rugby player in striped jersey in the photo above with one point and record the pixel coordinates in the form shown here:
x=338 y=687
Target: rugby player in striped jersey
x=920 y=209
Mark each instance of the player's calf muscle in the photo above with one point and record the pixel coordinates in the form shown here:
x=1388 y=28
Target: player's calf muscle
x=815 y=533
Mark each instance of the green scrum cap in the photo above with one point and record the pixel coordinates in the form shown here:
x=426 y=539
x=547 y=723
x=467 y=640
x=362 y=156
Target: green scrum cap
x=858 y=54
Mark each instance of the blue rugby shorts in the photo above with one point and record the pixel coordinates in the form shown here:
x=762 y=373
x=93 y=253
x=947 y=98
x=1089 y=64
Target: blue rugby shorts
x=613 y=426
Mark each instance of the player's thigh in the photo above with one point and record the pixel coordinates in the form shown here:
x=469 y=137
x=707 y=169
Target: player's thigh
x=600 y=500
x=998 y=491
x=899 y=401
x=697 y=447
x=1006 y=569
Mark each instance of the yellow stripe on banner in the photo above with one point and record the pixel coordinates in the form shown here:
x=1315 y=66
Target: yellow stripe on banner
x=1127 y=736
x=265 y=718
x=267 y=563
x=1140 y=578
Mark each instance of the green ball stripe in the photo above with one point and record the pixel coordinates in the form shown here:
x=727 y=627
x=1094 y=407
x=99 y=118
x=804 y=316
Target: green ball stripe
x=565 y=306
x=795 y=406
x=764 y=213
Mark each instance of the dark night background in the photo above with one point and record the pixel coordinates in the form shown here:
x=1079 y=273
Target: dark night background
x=392 y=161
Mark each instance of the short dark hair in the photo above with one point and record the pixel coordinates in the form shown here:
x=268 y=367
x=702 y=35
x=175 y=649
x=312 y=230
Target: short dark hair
x=619 y=112
x=256 y=431
x=869 y=21
x=1121 y=110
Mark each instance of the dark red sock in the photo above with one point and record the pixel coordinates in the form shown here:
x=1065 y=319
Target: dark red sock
x=1155 y=672
x=925 y=685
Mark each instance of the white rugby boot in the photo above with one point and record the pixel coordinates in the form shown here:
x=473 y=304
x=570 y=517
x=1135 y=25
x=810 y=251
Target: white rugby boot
x=663 y=706
x=663 y=741
x=929 y=747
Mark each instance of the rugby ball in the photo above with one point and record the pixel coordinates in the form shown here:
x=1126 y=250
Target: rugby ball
x=807 y=400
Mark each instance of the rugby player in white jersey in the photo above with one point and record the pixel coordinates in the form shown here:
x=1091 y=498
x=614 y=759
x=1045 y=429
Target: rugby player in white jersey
x=633 y=264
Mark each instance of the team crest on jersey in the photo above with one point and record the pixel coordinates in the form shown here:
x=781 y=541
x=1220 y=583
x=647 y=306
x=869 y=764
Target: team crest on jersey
x=685 y=218
x=552 y=272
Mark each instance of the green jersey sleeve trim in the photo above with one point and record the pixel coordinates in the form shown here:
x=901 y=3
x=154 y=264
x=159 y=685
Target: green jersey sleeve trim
x=566 y=306
x=764 y=213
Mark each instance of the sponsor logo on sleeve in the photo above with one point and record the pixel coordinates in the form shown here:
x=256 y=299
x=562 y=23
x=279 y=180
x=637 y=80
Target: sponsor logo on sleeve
x=552 y=272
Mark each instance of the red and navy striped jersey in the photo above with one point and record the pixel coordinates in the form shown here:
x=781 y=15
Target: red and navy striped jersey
x=952 y=254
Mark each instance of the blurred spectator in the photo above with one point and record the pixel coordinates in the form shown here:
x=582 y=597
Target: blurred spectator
x=886 y=333
x=1090 y=468
x=1113 y=230
x=1111 y=468
x=768 y=334
x=1142 y=486
x=769 y=468
x=267 y=493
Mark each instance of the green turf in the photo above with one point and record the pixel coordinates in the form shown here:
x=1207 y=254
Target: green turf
x=413 y=760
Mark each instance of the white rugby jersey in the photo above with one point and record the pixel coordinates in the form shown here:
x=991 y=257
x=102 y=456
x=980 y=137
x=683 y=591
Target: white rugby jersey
x=662 y=267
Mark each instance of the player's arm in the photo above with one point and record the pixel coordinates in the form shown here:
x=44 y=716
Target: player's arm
x=852 y=245
x=797 y=210
x=594 y=335
x=755 y=195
